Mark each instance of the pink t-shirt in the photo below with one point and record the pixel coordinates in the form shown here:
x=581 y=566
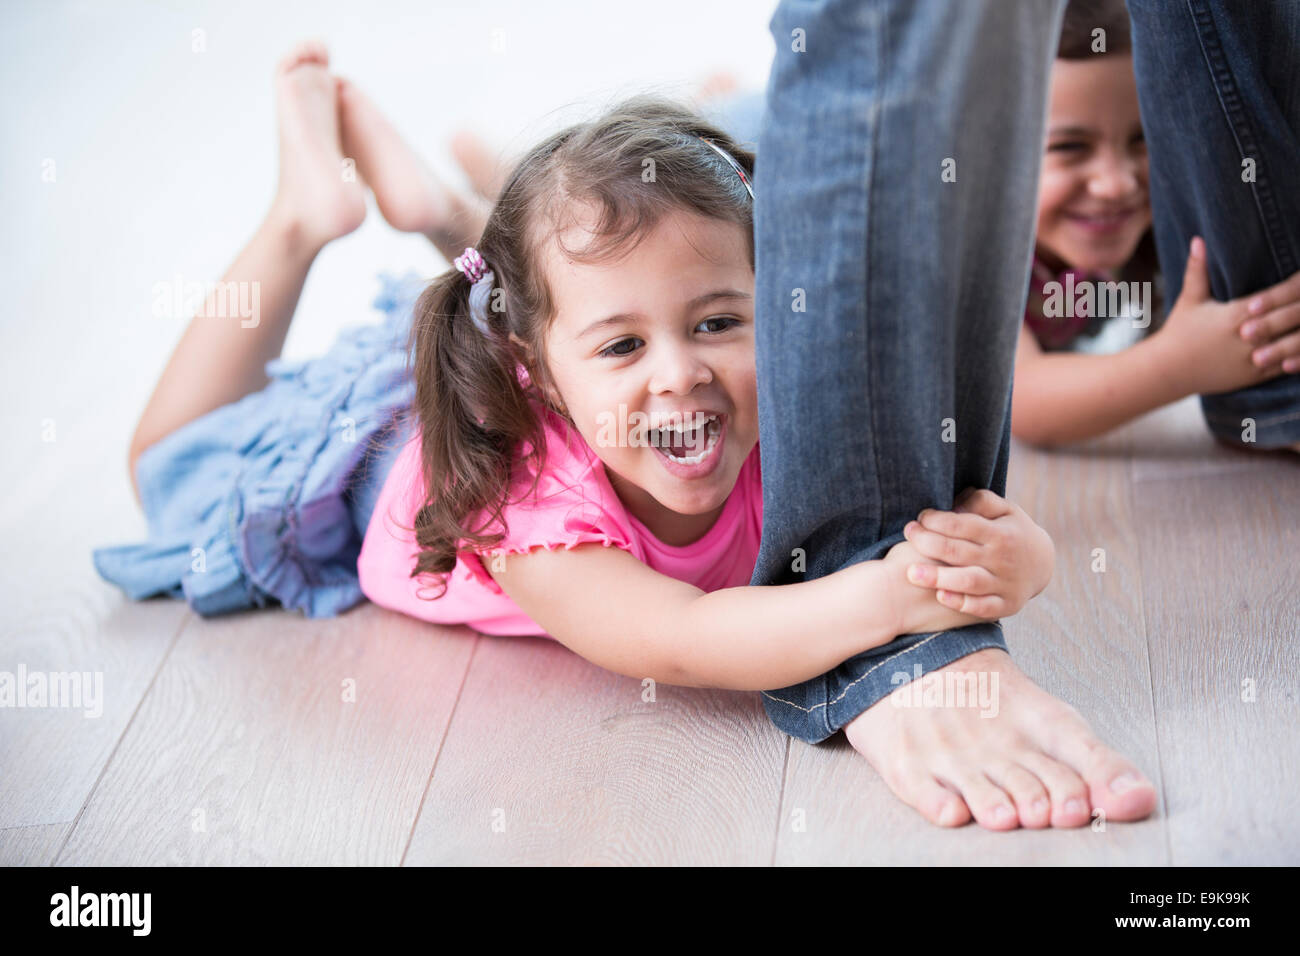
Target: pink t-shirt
x=574 y=504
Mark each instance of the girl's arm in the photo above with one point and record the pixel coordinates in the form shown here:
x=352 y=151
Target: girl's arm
x=622 y=615
x=1063 y=397
x=1204 y=347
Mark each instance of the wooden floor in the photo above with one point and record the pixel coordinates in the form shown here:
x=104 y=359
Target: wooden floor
x=230 y=741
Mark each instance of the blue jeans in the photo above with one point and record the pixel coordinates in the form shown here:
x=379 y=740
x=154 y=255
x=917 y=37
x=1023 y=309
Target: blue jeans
x=913 y=289
x=1218 y=86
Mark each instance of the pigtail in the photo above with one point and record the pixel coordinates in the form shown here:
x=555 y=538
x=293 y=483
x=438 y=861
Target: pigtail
x=472 y=412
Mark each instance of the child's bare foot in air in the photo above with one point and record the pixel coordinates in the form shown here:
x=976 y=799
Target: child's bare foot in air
x=715 y=86
x=1033 y=763
x=409 y=195
x=313 y=196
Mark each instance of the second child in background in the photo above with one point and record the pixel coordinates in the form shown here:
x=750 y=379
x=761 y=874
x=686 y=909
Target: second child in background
x=1093 y=353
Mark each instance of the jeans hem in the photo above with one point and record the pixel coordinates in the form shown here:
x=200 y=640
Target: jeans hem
x=1271 y=431
x=819 y=715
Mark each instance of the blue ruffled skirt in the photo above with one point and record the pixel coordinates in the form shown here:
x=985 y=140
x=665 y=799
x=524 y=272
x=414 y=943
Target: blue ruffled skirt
x=266 y=500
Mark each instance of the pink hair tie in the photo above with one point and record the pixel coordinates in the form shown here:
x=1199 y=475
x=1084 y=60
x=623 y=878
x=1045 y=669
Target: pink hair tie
x=481 y=278
x=471 y=264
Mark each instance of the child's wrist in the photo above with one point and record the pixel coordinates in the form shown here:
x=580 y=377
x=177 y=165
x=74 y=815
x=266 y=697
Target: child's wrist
x=1160 y=359
x=912 y=607
x=882 y=601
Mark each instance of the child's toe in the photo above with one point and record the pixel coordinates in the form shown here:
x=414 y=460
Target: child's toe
x=308 y=51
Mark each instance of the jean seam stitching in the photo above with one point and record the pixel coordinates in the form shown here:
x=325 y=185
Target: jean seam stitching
x=1226 y=88
x=863 y=676
x=869 y=344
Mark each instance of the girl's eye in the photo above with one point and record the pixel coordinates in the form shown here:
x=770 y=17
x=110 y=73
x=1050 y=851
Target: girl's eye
x=722 y=318
x=611 y=353
x=1067 y=147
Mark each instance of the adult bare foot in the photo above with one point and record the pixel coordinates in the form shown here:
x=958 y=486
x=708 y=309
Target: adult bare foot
x=1034 y=762
x=313 y=195
x=407 y=192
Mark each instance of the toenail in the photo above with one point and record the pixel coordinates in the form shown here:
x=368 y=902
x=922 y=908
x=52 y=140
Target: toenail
x=1125 y=781
x=1003 y=814
x=1075 y=806
x=1040 y=806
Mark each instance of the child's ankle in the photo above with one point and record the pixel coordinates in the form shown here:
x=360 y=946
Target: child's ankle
x=288 y=227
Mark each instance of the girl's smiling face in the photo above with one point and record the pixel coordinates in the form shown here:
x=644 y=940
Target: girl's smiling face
x=666 y=331
x=1093 y=206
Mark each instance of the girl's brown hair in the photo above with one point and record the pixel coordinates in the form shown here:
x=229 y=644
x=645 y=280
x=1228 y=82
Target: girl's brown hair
x=1082 y=18
x=637 y=161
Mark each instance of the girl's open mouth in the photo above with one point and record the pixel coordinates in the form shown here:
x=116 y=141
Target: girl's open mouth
x=691 y=452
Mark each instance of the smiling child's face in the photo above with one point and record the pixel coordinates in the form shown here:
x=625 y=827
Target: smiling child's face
x=681 y=343
x=1093 y=206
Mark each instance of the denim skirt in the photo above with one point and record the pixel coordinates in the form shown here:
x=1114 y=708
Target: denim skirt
x=265 y=501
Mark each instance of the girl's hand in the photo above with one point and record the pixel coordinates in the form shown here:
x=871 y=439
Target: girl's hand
x=915 y=611
x=997 y=558
x=1211 y=346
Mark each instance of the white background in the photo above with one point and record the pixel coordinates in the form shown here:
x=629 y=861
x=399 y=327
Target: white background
x=166 y=159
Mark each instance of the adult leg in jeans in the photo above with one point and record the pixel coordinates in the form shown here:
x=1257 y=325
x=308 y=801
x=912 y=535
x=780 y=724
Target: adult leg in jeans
x=1221 y=112
x=895 y=181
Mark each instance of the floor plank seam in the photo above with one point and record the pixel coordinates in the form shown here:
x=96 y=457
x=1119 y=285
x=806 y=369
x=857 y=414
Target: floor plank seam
x=780 y=801
x=442 y=744
x=29 y=826
x=1151 y=688
x=162 y=662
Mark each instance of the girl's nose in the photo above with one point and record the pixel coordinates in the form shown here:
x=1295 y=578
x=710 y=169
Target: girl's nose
x=1115 y=177
x=679 y=370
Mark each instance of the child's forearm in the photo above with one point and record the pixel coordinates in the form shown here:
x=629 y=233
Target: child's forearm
x=759 y=638
x=1059 y=398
